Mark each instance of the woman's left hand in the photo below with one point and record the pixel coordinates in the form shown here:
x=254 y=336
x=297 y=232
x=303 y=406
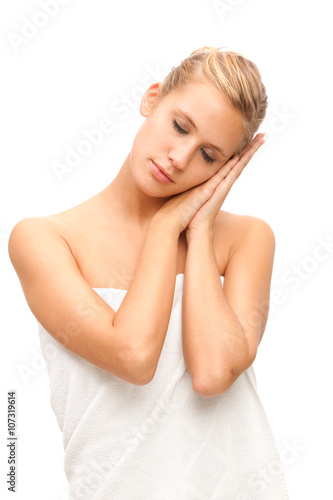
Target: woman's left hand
x=205 y=216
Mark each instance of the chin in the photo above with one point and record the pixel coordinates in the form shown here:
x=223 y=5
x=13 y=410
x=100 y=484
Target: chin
x=147 y=185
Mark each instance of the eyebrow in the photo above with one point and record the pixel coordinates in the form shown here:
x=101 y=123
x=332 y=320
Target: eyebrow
x=194 y=126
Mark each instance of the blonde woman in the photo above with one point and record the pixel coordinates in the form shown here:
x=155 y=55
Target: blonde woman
x=151 y=302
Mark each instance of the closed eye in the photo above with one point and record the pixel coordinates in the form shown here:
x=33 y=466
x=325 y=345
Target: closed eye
x=180 y=130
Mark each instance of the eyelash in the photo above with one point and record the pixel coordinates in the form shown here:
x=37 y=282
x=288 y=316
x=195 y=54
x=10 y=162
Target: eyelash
x=207 y=158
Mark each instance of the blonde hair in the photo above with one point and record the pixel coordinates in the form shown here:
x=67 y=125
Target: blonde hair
x=235 y=76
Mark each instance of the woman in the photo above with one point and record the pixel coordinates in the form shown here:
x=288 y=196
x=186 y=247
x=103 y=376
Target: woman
x=151 y=302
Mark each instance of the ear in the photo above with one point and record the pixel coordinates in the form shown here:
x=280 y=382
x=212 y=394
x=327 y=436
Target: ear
x=150 y=98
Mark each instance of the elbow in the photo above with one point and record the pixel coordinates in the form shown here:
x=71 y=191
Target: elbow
x=209 y=388
x=140 y=370
x=144 y=377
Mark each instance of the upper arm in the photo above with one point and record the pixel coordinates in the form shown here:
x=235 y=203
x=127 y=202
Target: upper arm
x=247 y=278
x=62 y=300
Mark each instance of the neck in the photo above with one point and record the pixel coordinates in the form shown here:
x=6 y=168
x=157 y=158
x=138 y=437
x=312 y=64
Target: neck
x=125 y=198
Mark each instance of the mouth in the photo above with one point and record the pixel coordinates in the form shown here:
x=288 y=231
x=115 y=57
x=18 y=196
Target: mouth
x=160 y=174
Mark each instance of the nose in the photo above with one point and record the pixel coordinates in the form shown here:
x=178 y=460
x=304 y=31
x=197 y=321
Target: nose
x=180 y=156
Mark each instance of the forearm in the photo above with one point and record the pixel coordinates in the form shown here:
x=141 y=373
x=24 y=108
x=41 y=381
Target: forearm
x=143 y=316
x=214 y=344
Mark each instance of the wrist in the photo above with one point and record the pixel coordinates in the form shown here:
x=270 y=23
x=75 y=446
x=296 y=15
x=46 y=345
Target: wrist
x=199 y=234
x=202 y=232
x=164 y=226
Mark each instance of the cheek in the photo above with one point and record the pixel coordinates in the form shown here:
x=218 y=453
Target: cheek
x=202 y=174
x=220 y=165
x=211 y=171
x=196 y=180
x=142 y=141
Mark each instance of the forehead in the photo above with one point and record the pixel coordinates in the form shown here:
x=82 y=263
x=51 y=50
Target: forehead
x=205 y=99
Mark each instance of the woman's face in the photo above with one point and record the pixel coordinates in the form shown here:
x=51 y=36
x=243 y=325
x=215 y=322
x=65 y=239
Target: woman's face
x=191 y=133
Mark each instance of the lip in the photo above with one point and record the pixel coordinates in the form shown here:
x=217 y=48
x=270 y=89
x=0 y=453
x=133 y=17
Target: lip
x=157 y=170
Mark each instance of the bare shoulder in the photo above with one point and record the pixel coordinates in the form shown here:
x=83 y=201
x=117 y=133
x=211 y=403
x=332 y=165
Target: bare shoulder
x=33 y=235
x=240 y=231
x=52 y=228
x=30 y=225
x=63 y=301
x=241 y=225
x=35 y=226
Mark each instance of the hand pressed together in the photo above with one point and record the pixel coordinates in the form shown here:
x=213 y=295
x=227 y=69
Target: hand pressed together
x=220 y=184
x=196 y=208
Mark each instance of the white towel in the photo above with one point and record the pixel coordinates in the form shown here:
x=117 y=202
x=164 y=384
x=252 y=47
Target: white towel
x=160 y=441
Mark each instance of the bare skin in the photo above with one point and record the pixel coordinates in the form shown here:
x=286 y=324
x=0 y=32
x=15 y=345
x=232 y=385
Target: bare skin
x=109 y=262
x=127 y=205
x=135 y=235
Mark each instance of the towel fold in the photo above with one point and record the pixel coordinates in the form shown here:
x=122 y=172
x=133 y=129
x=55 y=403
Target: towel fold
x=160 y=441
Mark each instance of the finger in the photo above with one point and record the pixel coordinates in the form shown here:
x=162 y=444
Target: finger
x=245 y=156
x=225 y=169
x=237 y=164
x=252 y=147
x=242 y=160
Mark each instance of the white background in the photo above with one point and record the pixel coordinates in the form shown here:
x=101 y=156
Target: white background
x=65 y=79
